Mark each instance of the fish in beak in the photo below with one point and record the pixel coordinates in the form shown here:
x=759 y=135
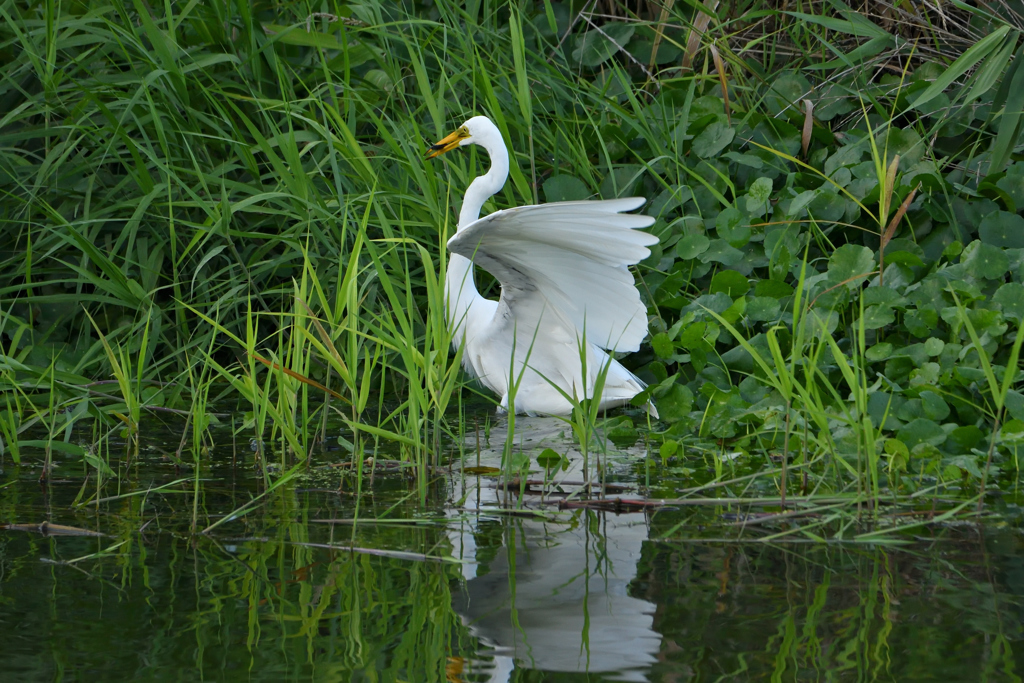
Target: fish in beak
x=448 y=144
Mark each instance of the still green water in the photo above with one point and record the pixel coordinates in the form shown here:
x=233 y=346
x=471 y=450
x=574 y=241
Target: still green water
x=465 y=592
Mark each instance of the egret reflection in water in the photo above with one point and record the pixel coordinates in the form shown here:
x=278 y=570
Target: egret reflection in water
x=553 y=595
x=560 y=600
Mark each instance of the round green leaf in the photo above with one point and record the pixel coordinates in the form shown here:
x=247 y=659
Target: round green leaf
x=951 y=472
x=903 y=141
x=722 y=252
x=933 y=346
x=886 y=296
x=850 y=264
x=920 y=323
x=1015 y=403
x=730 y=282
x=1002 y=229
x=549 y=458
x=708 y=105
x=763 y=309
x=921 y=430
x=760 y=190
x=864 y=189
x=786 y=91
x=1011 y=298
x=668 y=448
x=828 y=205
x=968 y=464
x=878 y=316
x=846 y=156
x=1012 y=431
x=699 y=335
x=675 y=403
x=925 y=451
x=953 y=249
x=669 y=288
x=882 y=404
x=905 y=257
x=927 y=374
x=778 y=237
x=1013 y=184
x=620 y=430
x=963 y=439
x=934 y=407
x=800 y=202
x=731 y=225
x=985 y=261
x=896 y=447
x=879 y=352
x=911 y=410
x=818 y=321
x=662 y=345
x=691 y=246
x=713 y=139
x=776 y=289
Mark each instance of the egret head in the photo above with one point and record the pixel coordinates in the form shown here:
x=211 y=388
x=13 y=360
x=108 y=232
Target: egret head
x=475 y=131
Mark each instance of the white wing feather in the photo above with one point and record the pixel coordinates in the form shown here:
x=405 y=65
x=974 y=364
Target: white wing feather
x=574 y=256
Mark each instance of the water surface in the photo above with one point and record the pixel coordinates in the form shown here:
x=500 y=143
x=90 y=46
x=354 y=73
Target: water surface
x=460 y=589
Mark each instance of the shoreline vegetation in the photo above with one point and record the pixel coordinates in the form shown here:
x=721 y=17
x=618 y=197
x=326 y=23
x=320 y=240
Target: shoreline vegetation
x=217 y=218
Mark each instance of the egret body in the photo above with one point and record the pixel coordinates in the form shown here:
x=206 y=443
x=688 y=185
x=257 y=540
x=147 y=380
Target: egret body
x=567 y=296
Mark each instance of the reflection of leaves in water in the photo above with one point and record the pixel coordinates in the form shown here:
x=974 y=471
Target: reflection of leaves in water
x=901 y=615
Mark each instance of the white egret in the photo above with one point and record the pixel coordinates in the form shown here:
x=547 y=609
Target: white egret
x=566 y=291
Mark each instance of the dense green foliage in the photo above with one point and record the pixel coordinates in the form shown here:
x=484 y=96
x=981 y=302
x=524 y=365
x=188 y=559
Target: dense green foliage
x=184 y=177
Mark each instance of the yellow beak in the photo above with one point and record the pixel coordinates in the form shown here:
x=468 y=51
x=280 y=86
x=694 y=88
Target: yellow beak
x=447 y=144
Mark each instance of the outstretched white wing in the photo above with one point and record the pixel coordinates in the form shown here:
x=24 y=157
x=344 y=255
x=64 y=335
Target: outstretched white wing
x=573 y=257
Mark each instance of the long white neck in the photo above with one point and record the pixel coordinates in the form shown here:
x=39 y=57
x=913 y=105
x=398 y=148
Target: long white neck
x=460 y=289
x=484 y=187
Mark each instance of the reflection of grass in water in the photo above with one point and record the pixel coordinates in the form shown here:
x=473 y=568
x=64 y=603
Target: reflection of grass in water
x=311 y=610
x=783 y=614
x=367 y=601
x=276 y=603
x=259 y=594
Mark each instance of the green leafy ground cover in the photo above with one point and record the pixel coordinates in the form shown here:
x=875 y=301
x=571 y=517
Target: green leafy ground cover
x=203 y=204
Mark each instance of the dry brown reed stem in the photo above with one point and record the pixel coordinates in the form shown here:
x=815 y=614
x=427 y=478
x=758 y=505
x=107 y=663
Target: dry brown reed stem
x=891 y=230
x=659 y=31
x=301 y=378
x=700 y=25
x=720 y=68
x=805 y=137
x=888 y=186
